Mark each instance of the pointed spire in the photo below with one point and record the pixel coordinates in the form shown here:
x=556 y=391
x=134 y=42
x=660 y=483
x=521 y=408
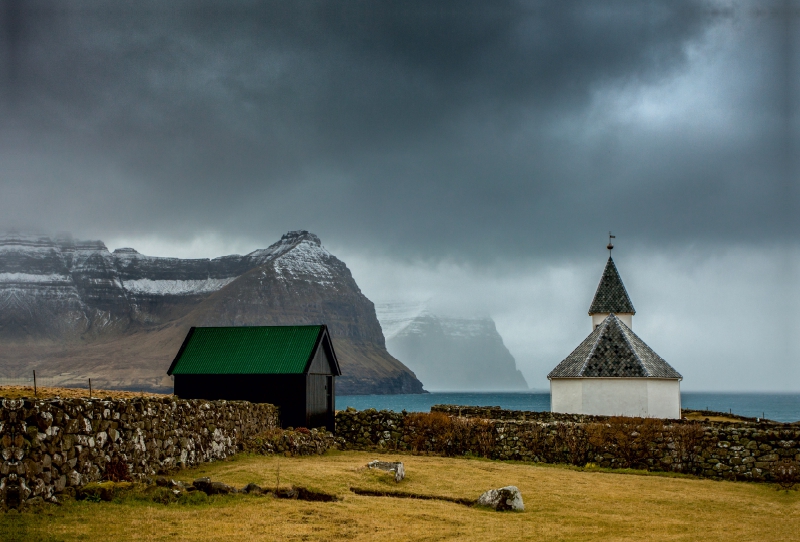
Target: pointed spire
x=611 y=295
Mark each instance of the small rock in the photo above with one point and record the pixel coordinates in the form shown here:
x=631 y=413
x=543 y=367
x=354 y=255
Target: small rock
x=211 y=488
x=253 y=489
x=60 y=484
x=394 y=467
x=219 y=488
x=177 y=487
x=505 y=498
x=286 y=493
x=175 y=484
x=34 y=501
x=202 y=484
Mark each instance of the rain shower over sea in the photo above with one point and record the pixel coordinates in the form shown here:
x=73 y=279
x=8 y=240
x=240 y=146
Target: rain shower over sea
x=780 y=407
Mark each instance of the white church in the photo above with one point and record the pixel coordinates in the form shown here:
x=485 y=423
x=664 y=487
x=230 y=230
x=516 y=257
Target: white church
x=613 y=372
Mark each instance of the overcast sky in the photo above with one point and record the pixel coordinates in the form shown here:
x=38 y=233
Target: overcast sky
x=474 y=154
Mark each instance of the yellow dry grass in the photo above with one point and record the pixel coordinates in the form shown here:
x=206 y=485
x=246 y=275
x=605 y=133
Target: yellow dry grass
x=561 y=504
x=48 y=392
x=699 y=416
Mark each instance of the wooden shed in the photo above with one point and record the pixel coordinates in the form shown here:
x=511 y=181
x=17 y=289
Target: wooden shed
x=292 y=367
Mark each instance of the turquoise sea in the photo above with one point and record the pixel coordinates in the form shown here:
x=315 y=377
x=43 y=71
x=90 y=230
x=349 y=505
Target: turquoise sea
x=781 y=407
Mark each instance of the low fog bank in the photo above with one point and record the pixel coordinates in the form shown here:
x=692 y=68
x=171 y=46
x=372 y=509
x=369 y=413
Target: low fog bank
x=722 y=318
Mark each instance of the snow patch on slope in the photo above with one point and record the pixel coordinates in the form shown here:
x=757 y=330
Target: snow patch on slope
x=468 y=327
x=31 y=278
x=409 y=318
x=396 y=317
x=175 y=287
x=306 y=260
x=27 y=248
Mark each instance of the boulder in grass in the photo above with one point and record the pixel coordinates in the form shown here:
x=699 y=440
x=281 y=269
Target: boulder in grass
x=203 y=484
x=34 y=501
x=212 y=488
x=219 y=488
x=505 y=498
x=253 y=489
x=174 y=485
x=392 y=467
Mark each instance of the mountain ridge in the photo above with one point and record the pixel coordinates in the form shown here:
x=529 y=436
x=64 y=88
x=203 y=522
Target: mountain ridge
x=73 y=308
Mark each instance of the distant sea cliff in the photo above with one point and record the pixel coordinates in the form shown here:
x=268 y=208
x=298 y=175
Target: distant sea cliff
x=450 y=353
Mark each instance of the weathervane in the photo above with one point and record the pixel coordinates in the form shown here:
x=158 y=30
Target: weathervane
x=610 y=246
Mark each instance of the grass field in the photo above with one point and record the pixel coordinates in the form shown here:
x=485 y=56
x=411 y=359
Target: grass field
x=561 y=503
x=49 y=392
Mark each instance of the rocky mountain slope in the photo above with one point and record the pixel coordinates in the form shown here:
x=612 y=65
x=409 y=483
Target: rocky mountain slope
x=73 y=310
x=449 y=354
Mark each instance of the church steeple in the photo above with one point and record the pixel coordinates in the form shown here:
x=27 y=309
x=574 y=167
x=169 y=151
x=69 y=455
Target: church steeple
x=611 y=297
x=613 y=372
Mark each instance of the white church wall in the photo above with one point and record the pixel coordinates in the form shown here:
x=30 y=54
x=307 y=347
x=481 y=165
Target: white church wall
x=664 y=398
x=645 y=397
x=615 y=396
x=598 y=318
x=566 y=395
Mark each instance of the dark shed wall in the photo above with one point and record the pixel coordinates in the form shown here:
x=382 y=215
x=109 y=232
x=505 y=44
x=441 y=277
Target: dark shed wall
x=321 y=364
x=320 y=401
x=315 y=400
x=320 y=393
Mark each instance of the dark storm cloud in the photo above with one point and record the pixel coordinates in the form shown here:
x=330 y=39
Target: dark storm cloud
x=422 y=127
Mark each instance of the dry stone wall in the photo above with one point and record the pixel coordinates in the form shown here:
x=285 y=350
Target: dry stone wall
x=50 y=446
x=497 y=413
x=721 y=450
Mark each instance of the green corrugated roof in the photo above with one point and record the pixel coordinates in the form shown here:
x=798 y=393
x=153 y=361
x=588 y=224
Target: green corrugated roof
x=247 y=350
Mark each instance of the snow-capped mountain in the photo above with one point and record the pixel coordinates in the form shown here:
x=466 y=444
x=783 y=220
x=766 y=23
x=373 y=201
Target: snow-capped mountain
x=75 y=308
x=449 y=354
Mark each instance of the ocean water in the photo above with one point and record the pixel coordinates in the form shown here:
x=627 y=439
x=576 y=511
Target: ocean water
x=781 y=407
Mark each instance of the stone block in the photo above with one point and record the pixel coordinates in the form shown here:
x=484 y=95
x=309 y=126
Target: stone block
x=503 y=499
x=395 y=468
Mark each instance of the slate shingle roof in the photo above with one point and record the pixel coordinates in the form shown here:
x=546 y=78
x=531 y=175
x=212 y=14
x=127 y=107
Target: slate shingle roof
x=611 y=295
x=613 y=350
